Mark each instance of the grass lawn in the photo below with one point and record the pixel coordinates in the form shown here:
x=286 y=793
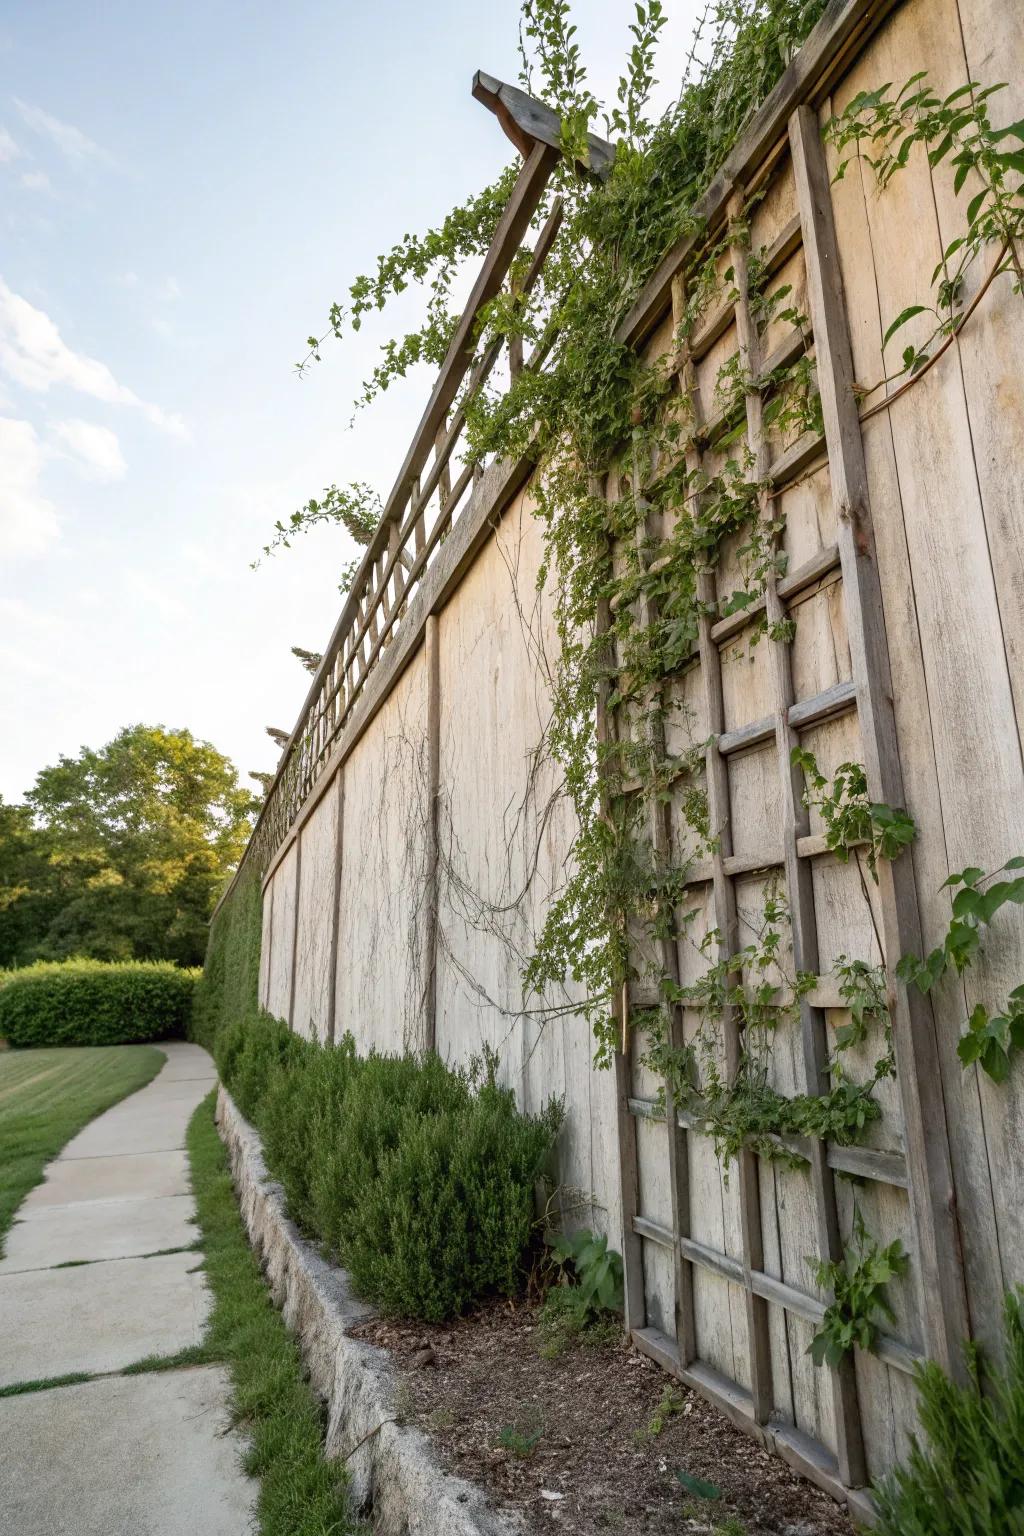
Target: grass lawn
x=301 y=1494
x=47 y=1096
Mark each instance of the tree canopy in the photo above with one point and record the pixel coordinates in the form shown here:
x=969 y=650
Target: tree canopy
x=119 y=853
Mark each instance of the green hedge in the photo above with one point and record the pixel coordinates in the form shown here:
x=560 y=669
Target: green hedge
x=420 y=1178
x=93 y=1002
x=227 y=988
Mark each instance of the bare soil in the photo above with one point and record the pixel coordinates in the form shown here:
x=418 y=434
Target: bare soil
x=593 y=1438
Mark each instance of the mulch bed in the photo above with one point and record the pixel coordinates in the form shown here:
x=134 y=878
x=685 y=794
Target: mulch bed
x=581 y=1427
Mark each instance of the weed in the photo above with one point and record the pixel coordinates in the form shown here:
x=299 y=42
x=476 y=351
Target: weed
x=566 y=1320
x=520 y=1443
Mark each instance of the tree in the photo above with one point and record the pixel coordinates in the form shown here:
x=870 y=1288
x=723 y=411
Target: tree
x=120 y=853
x=29 y=899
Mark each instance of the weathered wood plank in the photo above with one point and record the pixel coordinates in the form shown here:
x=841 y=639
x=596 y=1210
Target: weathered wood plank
x=527 y=121
x=432 y=652
x=932 y=1193
x=339 y=854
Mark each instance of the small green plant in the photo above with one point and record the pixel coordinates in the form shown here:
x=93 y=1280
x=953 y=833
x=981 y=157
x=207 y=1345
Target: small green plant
x=862 y=988
x=672 y=1402
x=582 y=1306
x=966 y=1477
x=596 y=1267
x=993 y=1040
x=566 y=1321
x=858 y=1289
x=520 y=1443
x=974 y=906
x=850 y=817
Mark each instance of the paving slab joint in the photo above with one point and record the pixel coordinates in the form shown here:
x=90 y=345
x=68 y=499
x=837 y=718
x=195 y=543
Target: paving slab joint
x=396 y=1479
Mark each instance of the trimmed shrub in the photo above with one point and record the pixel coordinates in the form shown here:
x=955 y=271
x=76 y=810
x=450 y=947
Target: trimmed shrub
x=95 y=1002
x=419 y=1177
x=449 y=1216
x=968 y=1479
x=249 y=1052
x=297 y=1117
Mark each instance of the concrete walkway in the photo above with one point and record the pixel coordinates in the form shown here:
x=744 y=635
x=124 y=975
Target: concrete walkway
x=88 y=1285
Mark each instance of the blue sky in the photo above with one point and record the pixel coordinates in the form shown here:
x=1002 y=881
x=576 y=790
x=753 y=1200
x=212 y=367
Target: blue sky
x=186 y=187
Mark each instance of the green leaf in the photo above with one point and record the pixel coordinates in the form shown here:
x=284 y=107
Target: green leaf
x=995 y=1061
x=698 y=1486
x=974 y=206
x=966 y=902
x=901 y=319
x=969 y=876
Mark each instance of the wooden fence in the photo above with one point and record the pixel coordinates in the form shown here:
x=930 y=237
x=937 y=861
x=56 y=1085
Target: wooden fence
x=412 y=841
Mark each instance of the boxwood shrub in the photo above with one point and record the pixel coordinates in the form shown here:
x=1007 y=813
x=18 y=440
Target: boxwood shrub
x=419 y=1177
x=93 y=1002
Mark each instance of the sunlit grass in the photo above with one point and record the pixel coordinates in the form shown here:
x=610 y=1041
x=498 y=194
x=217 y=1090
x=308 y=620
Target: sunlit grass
x=47 y=1096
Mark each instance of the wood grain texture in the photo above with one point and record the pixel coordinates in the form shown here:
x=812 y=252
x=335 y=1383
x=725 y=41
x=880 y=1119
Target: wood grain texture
x=941 y=1282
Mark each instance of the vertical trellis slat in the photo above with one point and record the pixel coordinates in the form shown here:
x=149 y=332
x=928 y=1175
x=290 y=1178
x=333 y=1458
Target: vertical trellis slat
x=932 y=1197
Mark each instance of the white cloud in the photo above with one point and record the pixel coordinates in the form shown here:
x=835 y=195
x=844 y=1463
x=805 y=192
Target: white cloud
x=155 y=598
x=36 y=181
x=96 y=448
x=73 y=144
x=28 y=521
x=8 y=149
x=33 y=354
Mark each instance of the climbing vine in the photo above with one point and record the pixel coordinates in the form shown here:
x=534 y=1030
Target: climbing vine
x=986 y=161
x=990 y=1040
x=850 y=817
x=858 y=1287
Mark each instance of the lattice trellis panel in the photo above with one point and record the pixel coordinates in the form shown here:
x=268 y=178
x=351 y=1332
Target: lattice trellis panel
x=720 y=1260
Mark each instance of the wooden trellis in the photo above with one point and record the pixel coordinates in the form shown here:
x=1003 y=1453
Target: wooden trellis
x=923 y=1168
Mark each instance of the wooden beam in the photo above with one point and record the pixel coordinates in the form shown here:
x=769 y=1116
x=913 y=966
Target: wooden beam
x=295 y=933
x=659 y=817
x=512 y=226
x=759 y=1355
x=527 y=121
x=940 y=1276
x=339 y=849
x=432 y=654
